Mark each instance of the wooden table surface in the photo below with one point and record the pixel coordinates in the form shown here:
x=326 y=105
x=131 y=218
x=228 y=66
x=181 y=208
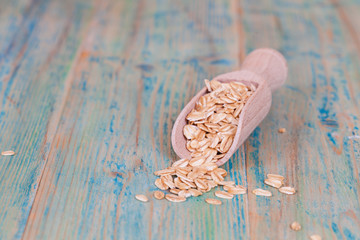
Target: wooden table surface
x=90 y=89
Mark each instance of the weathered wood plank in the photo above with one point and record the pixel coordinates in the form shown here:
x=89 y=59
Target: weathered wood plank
x=121 y=72
x=37 y=46
x=144 y=61
x=318 y=107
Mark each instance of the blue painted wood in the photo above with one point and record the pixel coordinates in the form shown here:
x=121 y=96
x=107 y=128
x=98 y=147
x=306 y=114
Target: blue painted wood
x=89 y=91
x=36 y=44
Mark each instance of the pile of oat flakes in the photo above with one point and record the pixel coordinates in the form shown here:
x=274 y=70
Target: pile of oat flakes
x=210 y=131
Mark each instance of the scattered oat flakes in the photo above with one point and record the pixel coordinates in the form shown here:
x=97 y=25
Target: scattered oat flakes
x=223 y=194
x=282 y=130
x=262 y=192
x=141 y=198
x=295 y=226
x=8 y=153
x=213 y=201
x=315 y=237
x=287 y=190
x=174 y=198
x=273 y=182
x=159 y=195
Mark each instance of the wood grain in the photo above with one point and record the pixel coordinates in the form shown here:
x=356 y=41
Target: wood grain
x=89 y=91
x=36 y=51
x=317 y=154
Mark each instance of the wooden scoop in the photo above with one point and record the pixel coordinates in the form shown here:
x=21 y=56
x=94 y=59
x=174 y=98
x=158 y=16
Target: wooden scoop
x=266 y=69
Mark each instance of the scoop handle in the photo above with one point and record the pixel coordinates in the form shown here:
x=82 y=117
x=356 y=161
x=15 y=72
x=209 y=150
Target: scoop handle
x=269 y=64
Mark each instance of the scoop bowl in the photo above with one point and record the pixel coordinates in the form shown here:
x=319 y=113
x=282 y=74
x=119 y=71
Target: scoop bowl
x=267 y=70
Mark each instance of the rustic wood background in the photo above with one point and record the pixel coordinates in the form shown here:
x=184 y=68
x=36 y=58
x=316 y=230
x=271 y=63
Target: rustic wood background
x=89 y=90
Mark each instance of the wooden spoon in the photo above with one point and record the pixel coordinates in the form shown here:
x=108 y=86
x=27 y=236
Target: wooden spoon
x=266 y=69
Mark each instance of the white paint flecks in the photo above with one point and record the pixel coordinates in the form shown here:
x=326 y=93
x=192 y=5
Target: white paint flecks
x=354 y=137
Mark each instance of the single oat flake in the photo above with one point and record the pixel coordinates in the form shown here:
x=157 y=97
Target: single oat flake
x=227 y=183
x=235 y=189
x=166 y=171
x=223 y=194
x=275 y=176
x=315 y=237
x=175 y=190
x=195 y=192
x=287 y=190
x=262 y=192
x=273 y=182
x=174 y=198
x=159 y=195
x=141 y=198
x=213 y=201
x=181 y=163
x=282 y=130
x=295 y=226
x=184 y=193
x=8 y=153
